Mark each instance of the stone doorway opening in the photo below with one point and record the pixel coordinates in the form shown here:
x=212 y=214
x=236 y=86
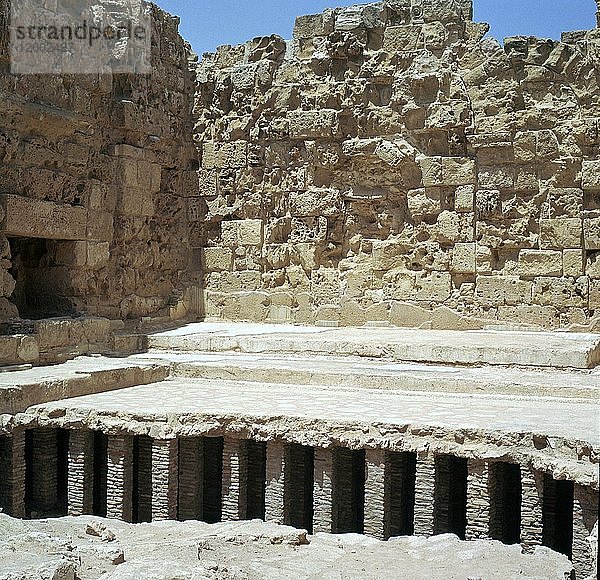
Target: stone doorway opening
x=37 y=293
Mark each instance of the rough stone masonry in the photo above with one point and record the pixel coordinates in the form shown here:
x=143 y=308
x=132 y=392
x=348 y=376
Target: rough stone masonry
x=390 y=161
x=390 y=166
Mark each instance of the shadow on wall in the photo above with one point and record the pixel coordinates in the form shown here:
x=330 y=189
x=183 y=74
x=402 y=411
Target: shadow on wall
x=36 y=292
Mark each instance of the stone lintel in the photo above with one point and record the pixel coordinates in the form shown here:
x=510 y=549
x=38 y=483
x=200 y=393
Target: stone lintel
x=25 y=217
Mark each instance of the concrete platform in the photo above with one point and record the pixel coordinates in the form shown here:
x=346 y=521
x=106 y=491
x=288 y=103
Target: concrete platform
x=21 y=389
x=370 y=373
x=538 y=349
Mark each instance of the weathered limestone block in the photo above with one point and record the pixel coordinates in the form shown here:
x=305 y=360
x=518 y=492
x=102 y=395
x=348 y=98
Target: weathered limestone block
x=464 y=199
x=432 y=170
x=26 y=217
x=452 y=227
x=543 y=316
x=560 y=233
x=458 y=171
x=591 y=175
x=165 y=479
x=434 y=286
x=80 y=479
x=502 y=290
x=500 y=177
x=217 y=259
x=424 y=202
x=595 y=294
x=71 y=254
x=313 y=124
x=387 y=254
x=315 y=202
x=323 y=491
x=464 y=258
x=591 y=233
x=141 y=174
x=478 y=500
x=534 y=263
x=207 y=182
x=525 y=146
x=424 y=495
x=119 y=486
x=242 y=232
x=401 y=38
x=314 y=25
x=224 y=155
x=97 y=255
x=573 y=263
x=569 y=292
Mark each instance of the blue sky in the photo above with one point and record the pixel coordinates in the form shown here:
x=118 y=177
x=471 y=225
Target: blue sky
x=209 y=23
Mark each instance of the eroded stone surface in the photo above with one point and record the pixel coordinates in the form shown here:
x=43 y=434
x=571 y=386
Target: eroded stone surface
x=169 y=551
x=391 y=161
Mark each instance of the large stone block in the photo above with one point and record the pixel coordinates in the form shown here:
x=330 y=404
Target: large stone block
x=573 y=263
x=217 y=259
x=464 y=199
x=242 y=233
x=314 y=25
x=224 y=155
x=590 y=178
x=401 y=38
x=561 y=292
x=424 y=202
x=560 y=233
x=313 y=124
x=502 y=290
x=431 y=167
x=33 y=218
x=464 y=257
x=458 y=171
x=591 y=233
x=435 y=286
x=540 y=263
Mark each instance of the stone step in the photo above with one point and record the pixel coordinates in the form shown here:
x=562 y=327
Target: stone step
x=526 y=349
x=82 y=376
x=367 y=373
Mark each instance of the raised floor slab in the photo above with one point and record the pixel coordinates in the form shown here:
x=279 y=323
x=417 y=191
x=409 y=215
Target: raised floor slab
x=542 y=349
x=82 y=376
x=180 y=396
x=372 y=373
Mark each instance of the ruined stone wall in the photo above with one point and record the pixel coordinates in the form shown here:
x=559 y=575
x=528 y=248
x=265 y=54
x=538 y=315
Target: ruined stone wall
x=97 y=171
x=392 y=163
